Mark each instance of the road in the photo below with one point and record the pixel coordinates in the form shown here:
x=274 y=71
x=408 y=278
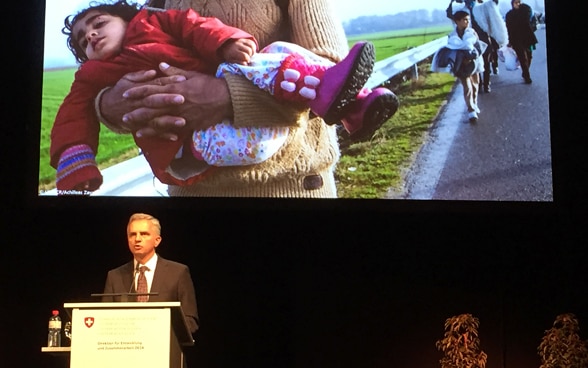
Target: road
x=505 y=156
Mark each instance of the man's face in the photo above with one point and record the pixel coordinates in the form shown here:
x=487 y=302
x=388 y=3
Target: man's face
x=143 y=239
x=463 y=23
x=516 y=4
x=100 y=35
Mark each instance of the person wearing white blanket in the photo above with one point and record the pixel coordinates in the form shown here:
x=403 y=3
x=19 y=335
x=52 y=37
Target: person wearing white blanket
x=488 y=18
x=462 y=56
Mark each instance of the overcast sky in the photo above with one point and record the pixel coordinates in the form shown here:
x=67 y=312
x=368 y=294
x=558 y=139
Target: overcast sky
x=56 y=51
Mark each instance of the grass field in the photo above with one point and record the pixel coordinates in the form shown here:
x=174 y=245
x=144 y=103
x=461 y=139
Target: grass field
x=394 y=42
x=113 y=148
x=366 y=169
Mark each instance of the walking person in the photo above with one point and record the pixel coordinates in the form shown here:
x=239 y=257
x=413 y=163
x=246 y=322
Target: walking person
x=489 y=24
x=462 y=56
x=480 y=19
x=521 y=35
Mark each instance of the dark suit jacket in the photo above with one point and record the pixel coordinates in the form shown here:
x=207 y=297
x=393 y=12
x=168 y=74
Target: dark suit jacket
x=171 y=280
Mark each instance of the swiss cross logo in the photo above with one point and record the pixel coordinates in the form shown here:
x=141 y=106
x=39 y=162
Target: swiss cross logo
x=89 y=321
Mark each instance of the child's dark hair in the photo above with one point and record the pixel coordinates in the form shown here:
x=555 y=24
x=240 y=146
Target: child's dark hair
x=120 y=8
x=460 y=14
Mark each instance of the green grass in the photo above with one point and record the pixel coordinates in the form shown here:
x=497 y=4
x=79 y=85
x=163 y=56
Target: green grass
x=394 y=42
x=370 y=169
x=366 y=169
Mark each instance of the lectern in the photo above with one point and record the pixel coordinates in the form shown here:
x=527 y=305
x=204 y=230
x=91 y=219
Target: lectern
x=121 y=335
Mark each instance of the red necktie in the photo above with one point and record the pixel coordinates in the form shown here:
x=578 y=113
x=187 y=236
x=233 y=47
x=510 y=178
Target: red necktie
x=142 y=285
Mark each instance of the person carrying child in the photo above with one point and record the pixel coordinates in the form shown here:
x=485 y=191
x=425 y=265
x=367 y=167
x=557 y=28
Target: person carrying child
x=462 y=56
x=110 y=40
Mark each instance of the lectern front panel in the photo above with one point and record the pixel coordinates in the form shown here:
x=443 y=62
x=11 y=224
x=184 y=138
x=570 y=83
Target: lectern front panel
x=116 y=338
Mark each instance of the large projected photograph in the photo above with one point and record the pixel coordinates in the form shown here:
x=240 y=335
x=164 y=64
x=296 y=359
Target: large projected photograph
x=399 y=100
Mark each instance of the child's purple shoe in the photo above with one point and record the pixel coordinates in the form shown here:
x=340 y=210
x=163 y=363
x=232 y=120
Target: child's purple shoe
x=371 y=109
x=341 y=83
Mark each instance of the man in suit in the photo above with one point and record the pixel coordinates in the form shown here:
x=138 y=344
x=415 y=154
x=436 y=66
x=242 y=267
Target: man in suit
x=170 y=280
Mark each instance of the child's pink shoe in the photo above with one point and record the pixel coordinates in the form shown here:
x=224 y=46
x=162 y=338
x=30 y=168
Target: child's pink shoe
x=341 y=83
x=325 y=90
x=371 y=109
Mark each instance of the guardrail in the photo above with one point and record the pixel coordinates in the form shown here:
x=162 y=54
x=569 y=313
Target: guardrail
x=133 y=178
x=388 y=68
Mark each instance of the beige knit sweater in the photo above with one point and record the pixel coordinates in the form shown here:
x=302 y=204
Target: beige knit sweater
x=304 y=166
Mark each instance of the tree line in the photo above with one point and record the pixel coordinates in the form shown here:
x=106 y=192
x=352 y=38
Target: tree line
x=405 y=20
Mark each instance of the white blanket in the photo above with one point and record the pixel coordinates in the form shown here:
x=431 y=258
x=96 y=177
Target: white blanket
x=468 y=43
x=488 y=17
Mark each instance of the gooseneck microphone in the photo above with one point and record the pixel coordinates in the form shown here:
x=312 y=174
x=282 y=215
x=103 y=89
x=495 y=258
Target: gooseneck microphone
x=125 y=298
x=134 y=277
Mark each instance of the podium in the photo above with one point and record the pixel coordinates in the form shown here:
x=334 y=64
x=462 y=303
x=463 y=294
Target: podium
x=119 y=335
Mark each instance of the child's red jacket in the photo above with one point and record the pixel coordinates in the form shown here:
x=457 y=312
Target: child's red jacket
x=183 y=39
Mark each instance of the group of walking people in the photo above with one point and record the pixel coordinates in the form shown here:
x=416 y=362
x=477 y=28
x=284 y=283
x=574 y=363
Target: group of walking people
x=471 y=53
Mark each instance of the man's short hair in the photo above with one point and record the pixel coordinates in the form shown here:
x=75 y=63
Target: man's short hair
x=460 y=14
x=144 y=216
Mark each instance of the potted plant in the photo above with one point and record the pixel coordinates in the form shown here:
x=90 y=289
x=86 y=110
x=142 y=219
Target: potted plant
x=561 y=346
x=460 y=344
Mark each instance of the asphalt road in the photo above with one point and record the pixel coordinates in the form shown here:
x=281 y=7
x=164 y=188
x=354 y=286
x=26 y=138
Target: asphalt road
x=505 y=156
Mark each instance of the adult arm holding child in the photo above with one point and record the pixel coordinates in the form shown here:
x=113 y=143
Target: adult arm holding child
x=160 y=107
x=154 y=98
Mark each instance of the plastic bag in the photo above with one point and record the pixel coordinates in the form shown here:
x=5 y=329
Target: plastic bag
x=508 y=56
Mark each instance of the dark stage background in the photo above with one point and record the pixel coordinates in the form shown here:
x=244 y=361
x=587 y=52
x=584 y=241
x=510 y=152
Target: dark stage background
x=307 y=283
x=289 y=290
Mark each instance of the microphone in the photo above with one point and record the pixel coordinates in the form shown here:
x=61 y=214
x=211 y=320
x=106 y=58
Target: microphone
x=134 y=277
x=125 y=297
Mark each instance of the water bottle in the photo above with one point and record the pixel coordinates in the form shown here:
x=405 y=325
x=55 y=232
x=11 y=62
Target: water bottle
x=54 y=337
